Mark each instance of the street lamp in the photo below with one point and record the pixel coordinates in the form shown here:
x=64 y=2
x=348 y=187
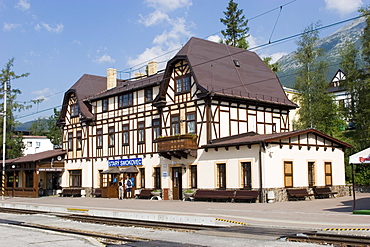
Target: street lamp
x=4 y=139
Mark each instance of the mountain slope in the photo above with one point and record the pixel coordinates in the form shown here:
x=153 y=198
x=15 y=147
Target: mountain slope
x=331 y=46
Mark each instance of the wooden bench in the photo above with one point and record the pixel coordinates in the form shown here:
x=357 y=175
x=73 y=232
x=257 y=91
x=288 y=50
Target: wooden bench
x=70 y=192
x=246 y=195
x=214 y=195
x=145 y=194
x=97 y=192
x=298 y=194
x=324 y=192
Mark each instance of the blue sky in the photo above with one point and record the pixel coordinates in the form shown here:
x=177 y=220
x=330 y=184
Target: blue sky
x=59 y=41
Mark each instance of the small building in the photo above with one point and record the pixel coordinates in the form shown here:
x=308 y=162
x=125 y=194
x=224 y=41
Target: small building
x=36 y=144
x=23 y=174
x=216 y=118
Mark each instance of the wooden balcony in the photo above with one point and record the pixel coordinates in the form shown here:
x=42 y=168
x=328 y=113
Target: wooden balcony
x=178 y=146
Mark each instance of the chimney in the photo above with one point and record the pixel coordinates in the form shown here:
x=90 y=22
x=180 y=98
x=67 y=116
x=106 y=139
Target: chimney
x=111 y=78
x=139 y=75
x=152 y=68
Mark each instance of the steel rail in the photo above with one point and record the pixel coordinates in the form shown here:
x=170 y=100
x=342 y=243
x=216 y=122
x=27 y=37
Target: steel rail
x=335 y=239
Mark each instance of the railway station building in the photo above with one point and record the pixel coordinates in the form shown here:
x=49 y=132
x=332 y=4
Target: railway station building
x=215 y=118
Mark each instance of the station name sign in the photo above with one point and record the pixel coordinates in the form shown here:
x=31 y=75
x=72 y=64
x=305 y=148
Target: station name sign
x=126 y=162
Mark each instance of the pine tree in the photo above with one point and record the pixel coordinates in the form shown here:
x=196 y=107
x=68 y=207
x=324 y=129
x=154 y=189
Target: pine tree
x=55 y=132
x=236 y=31
x=317 y=107
x=14 y=144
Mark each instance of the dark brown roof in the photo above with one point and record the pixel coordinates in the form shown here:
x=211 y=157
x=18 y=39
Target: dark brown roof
x=130 y=85
x=254 y=138
x=37 y=157
x=214 y=69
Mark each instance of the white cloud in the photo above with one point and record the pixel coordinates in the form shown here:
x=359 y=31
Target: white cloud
x=10 y=26
x=23 y=5
x=169 y=5
x=153 y=18
x=179 y=29
x=104 y=59
x=43 y=93
x=344 y=7
x=214 y=38
x=276 y=56
x=57 y=29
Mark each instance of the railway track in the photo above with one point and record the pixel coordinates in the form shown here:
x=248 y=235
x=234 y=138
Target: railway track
x=248 y=231
x=334 y=239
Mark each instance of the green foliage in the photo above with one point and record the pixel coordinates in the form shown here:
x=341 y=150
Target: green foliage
x=275 y=67
x=14 y=144
x=39 y=127
x=237 y=28
x=317 y=107
x=55 y=131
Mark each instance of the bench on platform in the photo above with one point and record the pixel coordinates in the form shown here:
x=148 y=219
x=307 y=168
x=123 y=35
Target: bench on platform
x=298 y=194
x=97 y=192
x=324 y=192
x=246 y=195
x=70 y=192
x=144 y=194
x=214 y=195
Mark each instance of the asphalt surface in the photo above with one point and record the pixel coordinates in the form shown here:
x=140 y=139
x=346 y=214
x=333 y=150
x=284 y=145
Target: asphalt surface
x=316 y=214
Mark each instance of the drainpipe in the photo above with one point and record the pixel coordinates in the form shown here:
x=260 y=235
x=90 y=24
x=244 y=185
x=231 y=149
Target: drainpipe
x=262 y=146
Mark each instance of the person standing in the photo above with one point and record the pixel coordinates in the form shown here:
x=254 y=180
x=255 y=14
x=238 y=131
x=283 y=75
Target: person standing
x=120 y=191
x=128 y=187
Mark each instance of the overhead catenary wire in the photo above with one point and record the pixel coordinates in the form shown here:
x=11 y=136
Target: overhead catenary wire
x=251 y=49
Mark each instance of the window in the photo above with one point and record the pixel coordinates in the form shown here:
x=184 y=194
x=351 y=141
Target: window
x=288 y=174
x=183 y=84
x=111 y=132
x=221 y=170
x=99 y=138
x=125 y=100
x=75 y=178
x=38 y=144
x=175 y=125
x=70 y=141
x=328 y=174
x=141 y=132
x=311 y=174
x=157 y=178
x=74 y=110
x=142 y=177
x=148 y=94
x=156 y=128
x=193 y=177
x=105 y=105
x=29 y=144
x=29 y=178
x=79 y=140
x=247 y=175
x=190 y=123
x=125 y=134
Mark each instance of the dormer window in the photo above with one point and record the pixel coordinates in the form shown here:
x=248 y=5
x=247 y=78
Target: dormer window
x=74 y=110
x=183 y=84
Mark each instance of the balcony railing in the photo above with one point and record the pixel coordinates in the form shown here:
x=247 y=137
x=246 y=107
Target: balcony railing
x=179 y=145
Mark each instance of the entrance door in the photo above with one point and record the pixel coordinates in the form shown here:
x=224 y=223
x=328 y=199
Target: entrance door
x=113 y=185
x=177 y=183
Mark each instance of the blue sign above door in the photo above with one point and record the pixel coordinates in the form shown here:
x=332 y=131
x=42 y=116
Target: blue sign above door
x=126 y=162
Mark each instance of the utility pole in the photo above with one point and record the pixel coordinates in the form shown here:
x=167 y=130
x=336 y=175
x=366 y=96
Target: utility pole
x=4 y=138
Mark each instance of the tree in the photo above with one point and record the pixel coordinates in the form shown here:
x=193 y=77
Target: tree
x=275 y=67
x=14 y=144
x=237 y=28
x=39 y=127
x=317 y=107
x=55 y=131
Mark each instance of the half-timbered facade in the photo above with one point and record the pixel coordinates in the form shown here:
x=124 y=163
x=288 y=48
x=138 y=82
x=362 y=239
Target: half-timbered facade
x=165 y=131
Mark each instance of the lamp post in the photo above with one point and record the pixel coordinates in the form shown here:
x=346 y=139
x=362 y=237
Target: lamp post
x=4 y=139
